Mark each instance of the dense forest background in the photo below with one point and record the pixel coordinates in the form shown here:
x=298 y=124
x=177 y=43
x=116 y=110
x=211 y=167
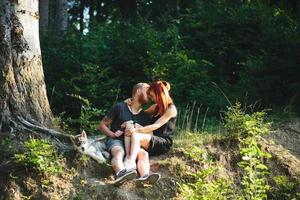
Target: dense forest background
x=211 y=51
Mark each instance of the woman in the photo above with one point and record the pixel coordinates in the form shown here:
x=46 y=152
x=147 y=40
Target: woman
x=155 y=138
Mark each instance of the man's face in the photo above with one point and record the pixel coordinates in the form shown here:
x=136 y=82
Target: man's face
x=143 y=97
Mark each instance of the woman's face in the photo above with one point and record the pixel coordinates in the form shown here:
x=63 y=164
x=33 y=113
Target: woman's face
x=151 y=96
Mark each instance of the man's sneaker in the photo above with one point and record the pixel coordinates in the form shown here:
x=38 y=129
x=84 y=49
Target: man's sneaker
x=149 y=179
x=124 y=176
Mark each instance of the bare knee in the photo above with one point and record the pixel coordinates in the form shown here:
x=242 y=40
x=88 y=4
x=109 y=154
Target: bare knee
x=143 y=155
x=134 y=136
x=117 y=152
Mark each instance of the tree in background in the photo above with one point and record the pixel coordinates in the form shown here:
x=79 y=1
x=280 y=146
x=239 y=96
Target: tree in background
x=62 y=15
x=44 y=14
x=53 y=15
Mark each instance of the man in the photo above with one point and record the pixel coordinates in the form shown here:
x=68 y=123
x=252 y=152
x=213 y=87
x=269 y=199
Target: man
x=116 y=117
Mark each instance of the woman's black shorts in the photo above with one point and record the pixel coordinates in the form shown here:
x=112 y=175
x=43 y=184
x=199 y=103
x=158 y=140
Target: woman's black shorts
x=159 y=145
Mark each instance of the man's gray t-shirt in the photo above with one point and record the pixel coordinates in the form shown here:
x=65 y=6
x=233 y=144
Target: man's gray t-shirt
x=120 y=113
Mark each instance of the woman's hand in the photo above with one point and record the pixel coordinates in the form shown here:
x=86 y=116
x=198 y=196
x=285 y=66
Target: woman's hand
x=132 y=130
x=129 y=130
x=136 y=125
x=125 y=124
x=128 y=101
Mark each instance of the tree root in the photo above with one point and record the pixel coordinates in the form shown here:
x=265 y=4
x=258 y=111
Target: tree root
x=65 y=143
x=43 y=129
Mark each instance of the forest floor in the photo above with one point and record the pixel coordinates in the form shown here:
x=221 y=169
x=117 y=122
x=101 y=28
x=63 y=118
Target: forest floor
x=83 y=178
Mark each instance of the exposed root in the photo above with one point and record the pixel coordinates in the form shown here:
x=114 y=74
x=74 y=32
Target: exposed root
x=62 y=141
x=44 y=129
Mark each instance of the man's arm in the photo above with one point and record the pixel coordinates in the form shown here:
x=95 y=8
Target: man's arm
x=104 y=127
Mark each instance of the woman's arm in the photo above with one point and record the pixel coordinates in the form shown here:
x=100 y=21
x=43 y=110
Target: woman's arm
x=170 y=112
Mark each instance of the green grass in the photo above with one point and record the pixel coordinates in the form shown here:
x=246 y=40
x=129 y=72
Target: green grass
x=41 y=156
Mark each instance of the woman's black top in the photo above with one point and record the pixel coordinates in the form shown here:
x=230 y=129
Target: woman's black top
x=167 y=130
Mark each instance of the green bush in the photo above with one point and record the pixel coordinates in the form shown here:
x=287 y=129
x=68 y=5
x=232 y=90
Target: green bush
x=284 y=188
x=41 y=156
x=248 y=128
x=254 y=181
x=206 y=187
x=89 y=116
x=240 y=124
x=204 y=183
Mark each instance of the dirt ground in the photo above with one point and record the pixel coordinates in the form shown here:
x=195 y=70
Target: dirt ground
x=84 y=178
x=287 y=135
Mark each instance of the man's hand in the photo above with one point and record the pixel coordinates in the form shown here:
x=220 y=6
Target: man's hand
x=104 y=127
x=118 y=133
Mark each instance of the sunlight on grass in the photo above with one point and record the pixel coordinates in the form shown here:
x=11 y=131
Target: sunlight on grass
x=185 y=138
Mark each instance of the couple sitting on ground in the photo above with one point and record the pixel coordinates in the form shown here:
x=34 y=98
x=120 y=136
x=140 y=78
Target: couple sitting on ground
x=141 y=132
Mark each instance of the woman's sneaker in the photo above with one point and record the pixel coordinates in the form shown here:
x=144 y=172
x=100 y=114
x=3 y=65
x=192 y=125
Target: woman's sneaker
x=124 y=176
x=149 y=179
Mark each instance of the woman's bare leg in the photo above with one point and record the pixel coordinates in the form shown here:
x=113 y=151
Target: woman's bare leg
x=138 y=140
x=127 y=145
x=127 y=163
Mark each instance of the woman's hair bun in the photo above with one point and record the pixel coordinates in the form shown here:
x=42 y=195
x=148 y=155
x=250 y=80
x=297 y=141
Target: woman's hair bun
x=167 y=85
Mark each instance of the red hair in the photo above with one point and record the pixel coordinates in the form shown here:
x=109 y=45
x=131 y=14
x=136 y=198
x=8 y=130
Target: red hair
x=161 y=92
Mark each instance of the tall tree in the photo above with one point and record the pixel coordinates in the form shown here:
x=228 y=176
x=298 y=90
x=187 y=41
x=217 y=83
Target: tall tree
x=128 y=8
x=53 y=15
x=62 y=15
x=81 y=14
x=91 y=9
x=44 y=14
x=22 y=86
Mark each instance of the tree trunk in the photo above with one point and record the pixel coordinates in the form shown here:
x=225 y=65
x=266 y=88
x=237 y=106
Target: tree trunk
x=91 y=10
x=128 y=8
x=22 y=86
x=298 y=8
x=52 y=15
x=81 y=10
x=44 y=14
x=62 y=15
